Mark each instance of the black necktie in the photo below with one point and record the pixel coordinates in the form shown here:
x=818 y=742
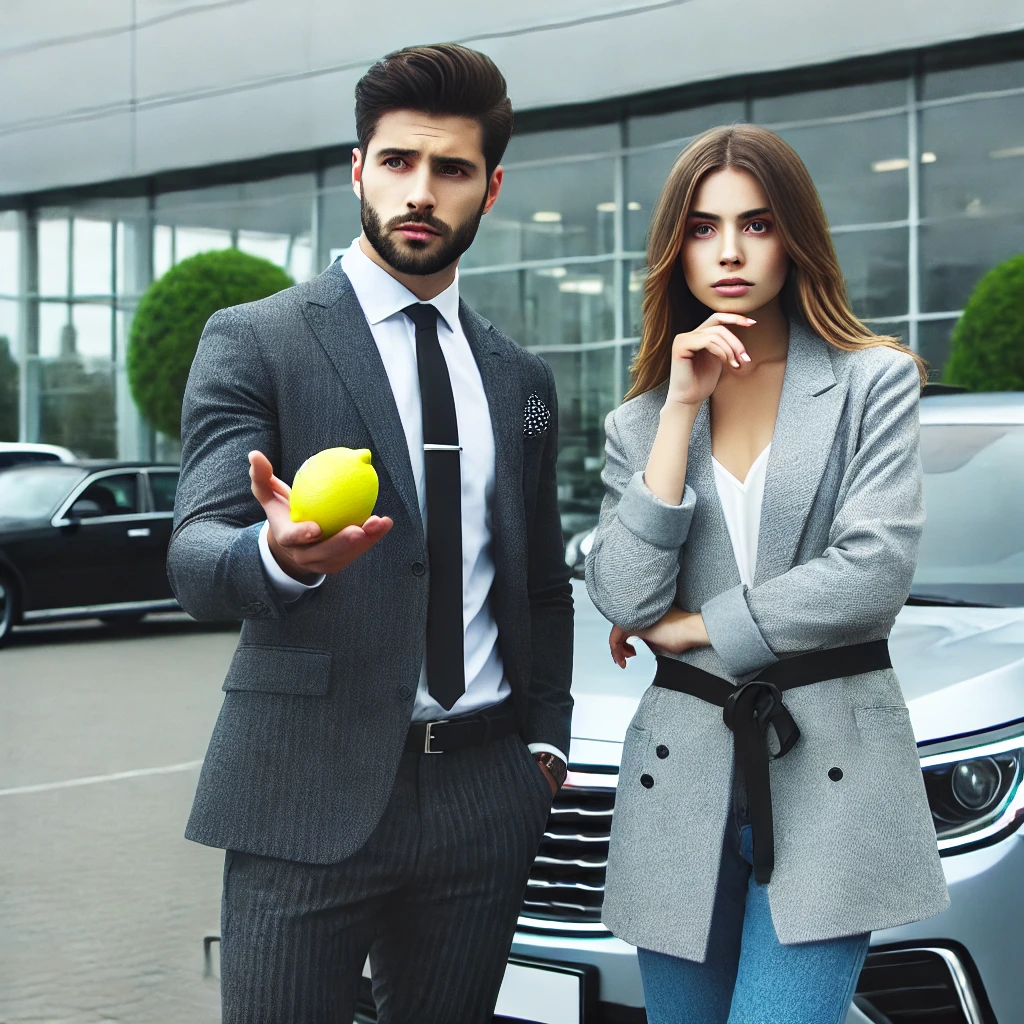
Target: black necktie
x=446 y=668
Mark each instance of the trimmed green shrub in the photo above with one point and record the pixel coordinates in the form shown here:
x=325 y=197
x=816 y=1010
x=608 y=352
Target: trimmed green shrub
x=170 y=319
x=987 y=349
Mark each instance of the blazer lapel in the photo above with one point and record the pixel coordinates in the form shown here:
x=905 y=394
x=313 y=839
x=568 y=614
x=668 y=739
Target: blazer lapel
x=336 y=318
x=809 y=411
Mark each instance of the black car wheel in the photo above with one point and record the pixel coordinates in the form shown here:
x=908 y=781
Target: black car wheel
x=8 y=607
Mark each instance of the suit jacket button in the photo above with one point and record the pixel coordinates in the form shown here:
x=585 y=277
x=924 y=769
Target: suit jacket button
x=835 y=774
x=661 y=750
x=418 y=568
x=646 y=781
x=404 y=692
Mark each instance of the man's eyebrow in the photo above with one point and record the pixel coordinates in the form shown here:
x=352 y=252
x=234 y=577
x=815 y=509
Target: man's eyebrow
x=438 y=161
x=700 y=215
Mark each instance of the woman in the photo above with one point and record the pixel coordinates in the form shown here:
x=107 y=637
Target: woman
x=761 y=522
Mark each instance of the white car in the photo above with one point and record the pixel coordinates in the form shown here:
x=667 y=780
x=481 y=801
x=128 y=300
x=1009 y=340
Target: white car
x=958 y=648
x=17 y=453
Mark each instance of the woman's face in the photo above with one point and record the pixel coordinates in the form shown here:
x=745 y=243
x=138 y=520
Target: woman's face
x=732 y=256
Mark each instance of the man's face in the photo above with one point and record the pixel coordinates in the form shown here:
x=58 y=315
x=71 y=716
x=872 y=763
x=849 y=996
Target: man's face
x=423 y=187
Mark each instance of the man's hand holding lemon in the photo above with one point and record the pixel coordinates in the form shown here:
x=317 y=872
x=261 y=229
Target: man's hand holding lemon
x=309 y=548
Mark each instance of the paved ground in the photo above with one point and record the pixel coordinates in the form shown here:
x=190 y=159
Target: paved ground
x=103 y=904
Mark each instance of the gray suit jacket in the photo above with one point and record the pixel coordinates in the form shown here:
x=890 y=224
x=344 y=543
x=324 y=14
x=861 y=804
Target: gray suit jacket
x=840 y=524
x=320 y=692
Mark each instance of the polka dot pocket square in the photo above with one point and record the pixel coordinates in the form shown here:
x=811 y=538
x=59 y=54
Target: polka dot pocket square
x=536 y=416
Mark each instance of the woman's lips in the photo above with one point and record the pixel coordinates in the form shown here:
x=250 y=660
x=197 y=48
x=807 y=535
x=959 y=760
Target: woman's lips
x=417 y=233
x=732 y=291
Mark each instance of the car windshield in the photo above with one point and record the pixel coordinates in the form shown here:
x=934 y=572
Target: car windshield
x=32 y=492
x=972 y=550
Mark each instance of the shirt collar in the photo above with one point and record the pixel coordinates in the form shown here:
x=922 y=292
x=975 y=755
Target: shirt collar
x=381 y=296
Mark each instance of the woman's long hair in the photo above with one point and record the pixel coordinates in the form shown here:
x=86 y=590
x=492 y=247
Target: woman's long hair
x=814 y=287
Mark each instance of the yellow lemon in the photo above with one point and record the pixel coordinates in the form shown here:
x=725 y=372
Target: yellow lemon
x=335 y=488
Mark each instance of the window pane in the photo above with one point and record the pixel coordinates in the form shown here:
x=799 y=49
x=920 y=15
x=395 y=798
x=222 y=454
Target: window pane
x=77 y=405
x=340 y=211
x=645 y=177
x=546 y=306
x=955 y=255
x=91 y=257
x=548 y=213
x=849 y=99
x=977 y=157
x=587 y=391
x=599 y=138
x=92 y=324
x=933 y=337
x=681 y=124
x=163 y=250
x=116 y=495
x=875 y=268
x=859 y=168
x=265 y=245
x=636 y=273
x=10 y=241
x=54 y=333
x=984 y=78
x=192 y=241
x=9 y=373
x=53 y=256
x=163 y=486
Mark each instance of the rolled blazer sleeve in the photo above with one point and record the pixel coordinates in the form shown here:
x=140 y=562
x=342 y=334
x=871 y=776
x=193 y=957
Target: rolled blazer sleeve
x=213 y=561
x=861 y=580
x=633 y=562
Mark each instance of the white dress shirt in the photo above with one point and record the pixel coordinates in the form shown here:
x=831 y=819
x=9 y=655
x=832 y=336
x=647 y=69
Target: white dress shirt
x=382 y=299
x=741 y=503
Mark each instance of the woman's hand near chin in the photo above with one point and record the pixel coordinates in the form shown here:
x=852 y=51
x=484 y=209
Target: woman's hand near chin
x=676 y=631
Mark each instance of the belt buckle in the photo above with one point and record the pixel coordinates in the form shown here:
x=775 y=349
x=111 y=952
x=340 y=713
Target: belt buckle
x=428 y=738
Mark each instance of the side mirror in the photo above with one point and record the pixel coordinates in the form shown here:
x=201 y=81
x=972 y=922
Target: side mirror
x=84 y=508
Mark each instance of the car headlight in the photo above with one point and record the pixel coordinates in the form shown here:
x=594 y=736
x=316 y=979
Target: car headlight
x=975 y=792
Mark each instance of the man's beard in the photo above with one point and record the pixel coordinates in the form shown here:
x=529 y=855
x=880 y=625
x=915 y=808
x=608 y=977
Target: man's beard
x=453 y=243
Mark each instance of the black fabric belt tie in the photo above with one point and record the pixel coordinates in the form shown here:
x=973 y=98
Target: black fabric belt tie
x=749 y=709
x=446 y=735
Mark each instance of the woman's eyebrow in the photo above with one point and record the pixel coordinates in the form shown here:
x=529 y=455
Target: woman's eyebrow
x=700 y=215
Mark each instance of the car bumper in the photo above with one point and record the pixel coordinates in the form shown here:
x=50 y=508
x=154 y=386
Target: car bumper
x=984 y=919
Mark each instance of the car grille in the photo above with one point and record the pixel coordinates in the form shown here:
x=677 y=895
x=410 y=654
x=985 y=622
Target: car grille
x=918 y=985
x=566 y=886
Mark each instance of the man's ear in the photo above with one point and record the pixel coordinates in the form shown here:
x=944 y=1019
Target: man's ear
x=494 y=187
x=357 y=172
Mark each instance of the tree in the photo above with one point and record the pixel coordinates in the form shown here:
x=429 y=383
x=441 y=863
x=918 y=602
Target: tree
x=170 y=319
x=8 y=392
x=987 y=349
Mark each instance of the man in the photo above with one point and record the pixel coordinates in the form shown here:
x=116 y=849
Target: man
x=397 y=711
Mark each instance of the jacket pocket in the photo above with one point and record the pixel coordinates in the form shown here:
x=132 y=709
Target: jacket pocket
x=279 y=670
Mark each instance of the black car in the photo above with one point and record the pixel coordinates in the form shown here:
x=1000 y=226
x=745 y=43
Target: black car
x=84 y=540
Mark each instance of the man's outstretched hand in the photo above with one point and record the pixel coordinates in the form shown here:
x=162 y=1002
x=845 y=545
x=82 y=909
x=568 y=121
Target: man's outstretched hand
x=299 y=548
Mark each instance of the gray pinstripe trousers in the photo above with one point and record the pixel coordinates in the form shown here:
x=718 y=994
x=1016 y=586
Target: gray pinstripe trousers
x=433 y=898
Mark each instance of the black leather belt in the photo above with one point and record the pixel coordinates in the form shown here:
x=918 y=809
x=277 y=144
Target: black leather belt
x=448 y=734
x=750 y=708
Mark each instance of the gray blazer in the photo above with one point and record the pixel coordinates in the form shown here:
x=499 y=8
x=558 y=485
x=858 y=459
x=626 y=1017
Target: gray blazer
x=840 y=524
x=320 y=692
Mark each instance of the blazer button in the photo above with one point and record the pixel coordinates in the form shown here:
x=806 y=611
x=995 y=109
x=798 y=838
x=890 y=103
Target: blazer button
x=404 y=692
x=835 y=774
x=646 y=781
x=661 y=750
x=418 y=568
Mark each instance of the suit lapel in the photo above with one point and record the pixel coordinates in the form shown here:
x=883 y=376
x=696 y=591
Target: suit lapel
x=809 y=411
x=336 y=318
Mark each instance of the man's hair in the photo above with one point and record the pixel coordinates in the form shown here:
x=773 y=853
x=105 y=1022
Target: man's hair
x=444 y=79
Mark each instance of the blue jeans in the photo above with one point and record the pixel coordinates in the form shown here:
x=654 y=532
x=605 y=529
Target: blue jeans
x=749 y=977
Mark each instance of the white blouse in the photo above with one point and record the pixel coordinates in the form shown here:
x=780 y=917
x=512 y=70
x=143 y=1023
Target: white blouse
x=741 y=503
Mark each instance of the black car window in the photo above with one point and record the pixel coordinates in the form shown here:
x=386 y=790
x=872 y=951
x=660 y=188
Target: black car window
x=24 y=458
x=115 y=495
x=163 y=486
x=31 y=492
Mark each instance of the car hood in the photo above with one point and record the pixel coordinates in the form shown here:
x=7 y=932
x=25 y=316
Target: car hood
x=961 y=670
x=10 y=524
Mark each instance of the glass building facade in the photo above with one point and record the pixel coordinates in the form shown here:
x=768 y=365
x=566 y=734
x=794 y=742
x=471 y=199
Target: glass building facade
x=919 y=159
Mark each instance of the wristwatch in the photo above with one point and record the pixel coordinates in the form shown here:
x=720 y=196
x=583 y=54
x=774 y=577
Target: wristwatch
x=554 y=764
